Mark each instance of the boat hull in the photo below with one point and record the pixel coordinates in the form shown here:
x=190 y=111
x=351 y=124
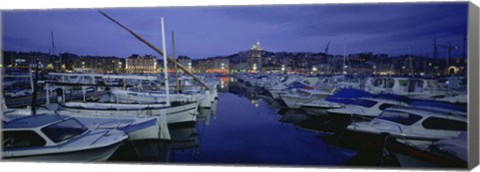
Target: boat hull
x=96 y=154
x=183 y=113
x=315 y=111
x=409 y=156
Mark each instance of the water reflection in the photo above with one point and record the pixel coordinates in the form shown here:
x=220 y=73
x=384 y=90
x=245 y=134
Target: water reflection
x=245 y=126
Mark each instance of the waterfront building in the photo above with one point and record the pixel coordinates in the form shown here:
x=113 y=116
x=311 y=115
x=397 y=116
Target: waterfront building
x=219 y=66
x=239 y=67
x=141 y=64
x=212 y=65
x=185 y=62
x=203 y=65
x=23 y=60
x=96 y=64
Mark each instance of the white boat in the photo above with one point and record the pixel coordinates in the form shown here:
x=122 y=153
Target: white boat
x=127 y=96
x=411 y=87
x=283 y=85
x=294 y=99
x=57 y=138
x=136 y=128
x=366 y=108
x=456 y=98
x=337 y=82
x=176 y=112
x=338 y=100
x=451 y=152
x=412 y=125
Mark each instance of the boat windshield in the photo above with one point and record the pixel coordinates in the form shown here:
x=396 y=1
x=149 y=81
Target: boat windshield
x=364 y=103
x=64 y=130
x=22 y=138
x=399 y=117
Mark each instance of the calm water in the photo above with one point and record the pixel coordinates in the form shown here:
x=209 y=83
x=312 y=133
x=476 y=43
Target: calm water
x=244 y=128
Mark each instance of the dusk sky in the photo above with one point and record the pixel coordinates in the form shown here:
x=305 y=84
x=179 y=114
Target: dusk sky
x=202 y=32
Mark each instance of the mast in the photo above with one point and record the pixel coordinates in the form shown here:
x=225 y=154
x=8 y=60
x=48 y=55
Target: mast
x=175 y=58
x=344 y=56
x=55 y=61
x=345 y=59
x=434 y=55
x=156 y=50
x=411 y=63
x=165 y=66
x=34 y=94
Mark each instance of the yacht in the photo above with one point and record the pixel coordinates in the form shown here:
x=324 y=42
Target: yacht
x=295 y=98
x=411 y=87
x=412 y=125
x=338 y=100
x=451 y=152
x=366 y=108
x=46 y=137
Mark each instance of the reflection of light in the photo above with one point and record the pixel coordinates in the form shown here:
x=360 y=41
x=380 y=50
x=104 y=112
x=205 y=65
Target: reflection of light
x=254 y=66
x=224 y=79
x=255 y=102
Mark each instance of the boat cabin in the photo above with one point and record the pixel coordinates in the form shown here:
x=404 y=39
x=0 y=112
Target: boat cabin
x=40 y=130
x=414 y=122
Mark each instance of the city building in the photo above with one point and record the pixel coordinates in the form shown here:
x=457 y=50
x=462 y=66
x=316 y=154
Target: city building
x=24 y=60
x=96 y=64
x=219 y=66
x=141 y=64
x=185 y=62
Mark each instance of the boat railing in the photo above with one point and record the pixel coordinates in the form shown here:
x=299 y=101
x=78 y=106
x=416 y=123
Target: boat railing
x=104 y=134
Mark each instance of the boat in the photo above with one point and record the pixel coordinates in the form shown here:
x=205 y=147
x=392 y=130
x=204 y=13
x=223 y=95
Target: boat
x=366 y=108
x=412 y=125
x=286 y=82
x=452 y=152
x=295 y=98
x=338 y=100
x=128 y=96
x=411 y=87
x=48 y=137
x=176 y=112
x=137 y=128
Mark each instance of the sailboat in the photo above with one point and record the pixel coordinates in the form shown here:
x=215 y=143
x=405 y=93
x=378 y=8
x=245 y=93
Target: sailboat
x=173 y=112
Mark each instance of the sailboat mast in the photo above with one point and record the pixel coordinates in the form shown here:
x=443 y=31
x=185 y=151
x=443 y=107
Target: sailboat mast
x=165 y=65
x=344 y=56
x=175 y=58
x=411 y=63
x=156 y=50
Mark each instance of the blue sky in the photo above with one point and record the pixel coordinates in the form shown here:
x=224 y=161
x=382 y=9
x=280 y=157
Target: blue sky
x=202 y=32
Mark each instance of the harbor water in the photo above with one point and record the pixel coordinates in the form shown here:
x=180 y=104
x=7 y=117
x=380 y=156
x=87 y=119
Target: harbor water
x=242 y=128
